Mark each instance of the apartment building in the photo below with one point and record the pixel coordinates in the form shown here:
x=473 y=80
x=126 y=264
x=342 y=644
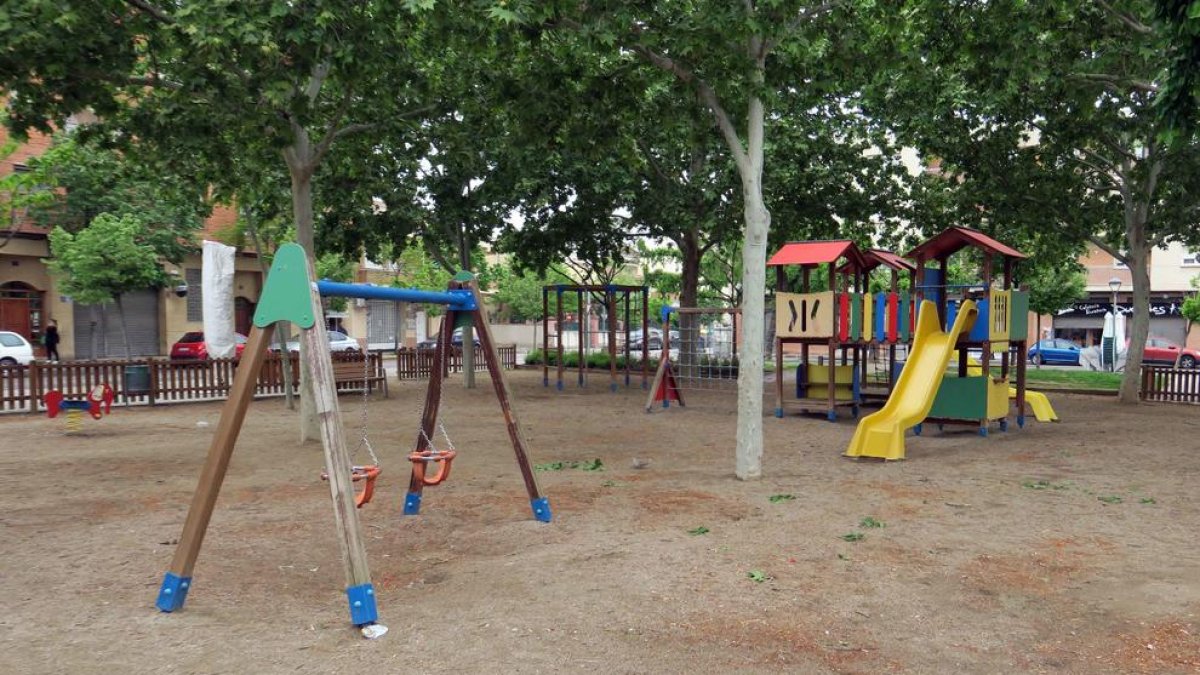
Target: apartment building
x=1172 y=269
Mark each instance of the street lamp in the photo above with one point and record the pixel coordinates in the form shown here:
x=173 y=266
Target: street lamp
x=1115 y=285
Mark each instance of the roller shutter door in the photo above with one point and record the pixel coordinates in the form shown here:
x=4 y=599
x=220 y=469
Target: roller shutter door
x=384 y=323
x=98 y=327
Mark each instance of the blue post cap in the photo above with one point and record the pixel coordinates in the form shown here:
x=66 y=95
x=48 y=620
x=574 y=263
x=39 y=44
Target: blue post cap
x=412 y=504
x=541 y=509
x=363 y=609
x=173 y=592
x=666 y=313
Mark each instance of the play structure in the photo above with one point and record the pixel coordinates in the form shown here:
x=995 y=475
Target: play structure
x=291 y=295
x=841 y=323
x=96 y=403
x=988 y=317
x=703 y=358
x=614 y=297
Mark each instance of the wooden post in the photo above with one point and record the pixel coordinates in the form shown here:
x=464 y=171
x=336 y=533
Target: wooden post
x=559 y=334
x=539 y=504
x=778 y=373
x=645 y=334
x=545 y=336
x=338 y=464
x=433 y=400
x=628 y=293
x=580 y=325
x=35 y=386
x=610 y=312
x=177 y=581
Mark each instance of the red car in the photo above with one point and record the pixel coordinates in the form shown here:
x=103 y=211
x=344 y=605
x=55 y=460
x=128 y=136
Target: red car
x=1162 y=351
x=191 y=347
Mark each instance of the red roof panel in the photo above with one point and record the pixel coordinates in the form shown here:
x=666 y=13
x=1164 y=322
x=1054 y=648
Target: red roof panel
x=877 y=256
x=954 y=239
x=815 y=253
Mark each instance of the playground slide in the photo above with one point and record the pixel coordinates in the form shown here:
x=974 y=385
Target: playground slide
x=881 y=434
x=1042 y=410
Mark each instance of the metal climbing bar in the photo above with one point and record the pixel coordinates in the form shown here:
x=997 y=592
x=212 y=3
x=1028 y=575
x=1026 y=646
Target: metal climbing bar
x=455 y=299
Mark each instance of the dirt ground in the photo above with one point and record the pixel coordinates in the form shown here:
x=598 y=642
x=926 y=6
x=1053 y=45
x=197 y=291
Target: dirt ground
x=1059 y=548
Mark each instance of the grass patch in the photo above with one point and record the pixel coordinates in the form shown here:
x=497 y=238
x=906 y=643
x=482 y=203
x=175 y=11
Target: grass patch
x=1044 y=485
x=853 y=536
x=593 y=465
x=697 y=531
x=870 y=523
x=775 y=499
x=757 y=576
x=1111 y=499
x=1077 y=378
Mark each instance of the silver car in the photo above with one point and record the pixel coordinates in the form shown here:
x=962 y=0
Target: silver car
x=14 y=349
x=338 y=342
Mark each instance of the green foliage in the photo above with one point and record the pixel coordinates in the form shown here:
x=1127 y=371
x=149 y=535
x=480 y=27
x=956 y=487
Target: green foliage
x=1191 y=304
x=105 y=260
x=869 y=523
x=596 y=360
x=697 y=531
x=775 y=499
x=1051 y=289
x=79 y=181
x=1111 y=499
x=334 y=267
x=757 y=576
x=593 y=465
x=853 y=536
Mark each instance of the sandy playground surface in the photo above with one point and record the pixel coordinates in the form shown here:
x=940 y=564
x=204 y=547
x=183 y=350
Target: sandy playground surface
x=1061 y=548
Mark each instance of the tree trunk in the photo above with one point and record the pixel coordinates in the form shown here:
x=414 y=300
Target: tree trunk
x=1139 y=263
x=754 y=275
x=689 y=284
x=124 y=326
x=298 y=157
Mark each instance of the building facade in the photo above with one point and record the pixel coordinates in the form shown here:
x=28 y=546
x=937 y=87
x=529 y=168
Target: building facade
x=1172 y=269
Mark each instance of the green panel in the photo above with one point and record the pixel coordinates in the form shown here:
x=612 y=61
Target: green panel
x=287 y=294
x=464 y=276
x=962 y=398
x=904 y=328
x=856 y=316
x=1018 y=322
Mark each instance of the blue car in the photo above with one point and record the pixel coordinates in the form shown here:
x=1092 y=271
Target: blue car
x=1058 y=350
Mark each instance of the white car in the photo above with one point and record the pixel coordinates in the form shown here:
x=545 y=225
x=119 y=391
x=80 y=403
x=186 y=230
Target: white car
x=14 y=349
x=338 y=342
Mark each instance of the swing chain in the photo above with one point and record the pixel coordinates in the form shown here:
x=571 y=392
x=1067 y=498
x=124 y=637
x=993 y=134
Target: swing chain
x=363 y=438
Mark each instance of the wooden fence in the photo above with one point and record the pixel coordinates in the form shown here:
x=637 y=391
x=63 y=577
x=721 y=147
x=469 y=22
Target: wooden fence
x=1173 y=385
x=417 y=364
x=22 y=387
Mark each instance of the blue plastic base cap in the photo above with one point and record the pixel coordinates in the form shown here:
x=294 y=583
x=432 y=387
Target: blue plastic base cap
x=831 y=415
x=613 y=387
x=541 y=509
x=666 y=403
x=917 y=430
x=173 y=592
x=779 y=412
x=1021 y=421
x=412 y=503
x=362 y=604
x=546 y=382
x=559 y=386
x=983 y=431
x=1003 y=425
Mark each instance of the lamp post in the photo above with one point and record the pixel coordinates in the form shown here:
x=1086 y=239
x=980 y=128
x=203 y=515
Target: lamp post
x=1115 y=285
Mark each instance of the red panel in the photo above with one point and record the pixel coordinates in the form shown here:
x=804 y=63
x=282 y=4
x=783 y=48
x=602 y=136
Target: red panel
x=893 y=316
x=844 y=317
x=957 y=238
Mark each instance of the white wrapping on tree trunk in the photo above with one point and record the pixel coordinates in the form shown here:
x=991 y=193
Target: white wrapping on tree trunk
x=217 y=292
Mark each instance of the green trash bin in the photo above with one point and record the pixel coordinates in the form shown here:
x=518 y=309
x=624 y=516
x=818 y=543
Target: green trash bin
x=137 y=380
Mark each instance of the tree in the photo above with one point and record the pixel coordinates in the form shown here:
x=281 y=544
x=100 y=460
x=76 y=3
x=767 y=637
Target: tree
x=1044 y=117
x=1053 y=289
x=1191 y=308
x=1181 y=82
x=105 y=261
x=231 y=89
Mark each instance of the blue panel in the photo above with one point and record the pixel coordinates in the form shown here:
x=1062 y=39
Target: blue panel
x=541 y=509
x=932 y=285
x=173 y=592
x=979 y=332
x=412 y=503
x=362 y=604
x=457 y=299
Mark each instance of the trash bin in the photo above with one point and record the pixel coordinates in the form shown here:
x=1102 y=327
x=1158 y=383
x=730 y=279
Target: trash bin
x=137 y=380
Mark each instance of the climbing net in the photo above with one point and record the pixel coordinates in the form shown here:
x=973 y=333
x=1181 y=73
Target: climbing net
x=704 y=350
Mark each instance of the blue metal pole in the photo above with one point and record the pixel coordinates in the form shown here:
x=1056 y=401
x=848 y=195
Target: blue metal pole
x=459 y=300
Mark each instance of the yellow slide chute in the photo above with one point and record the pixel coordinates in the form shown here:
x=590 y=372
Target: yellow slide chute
x=881 y=434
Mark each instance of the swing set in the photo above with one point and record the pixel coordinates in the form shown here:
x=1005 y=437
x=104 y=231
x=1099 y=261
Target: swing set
x=290 y=294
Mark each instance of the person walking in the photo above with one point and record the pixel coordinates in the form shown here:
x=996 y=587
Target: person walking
x=51 y=340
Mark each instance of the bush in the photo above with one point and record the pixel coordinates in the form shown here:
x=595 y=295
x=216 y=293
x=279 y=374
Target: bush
x=595 y=360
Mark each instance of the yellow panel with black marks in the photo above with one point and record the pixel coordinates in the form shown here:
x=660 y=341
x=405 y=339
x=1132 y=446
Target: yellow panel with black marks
x=805 y=315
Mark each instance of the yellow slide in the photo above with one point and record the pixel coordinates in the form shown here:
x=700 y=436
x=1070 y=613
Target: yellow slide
x=881 y=434
x=1042 y=410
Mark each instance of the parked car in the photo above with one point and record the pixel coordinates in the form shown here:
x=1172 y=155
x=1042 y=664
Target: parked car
x=656 y=342
x=1056 y=350
x=338 y=342
x=191 y=347
x=14 y=349
x=455 y=338
x=1163 y=351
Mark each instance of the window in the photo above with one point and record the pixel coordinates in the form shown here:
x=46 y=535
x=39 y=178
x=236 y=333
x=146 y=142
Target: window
x=1119 y=265
x=1191 y=258
x=195 y=300
x=11 y=340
